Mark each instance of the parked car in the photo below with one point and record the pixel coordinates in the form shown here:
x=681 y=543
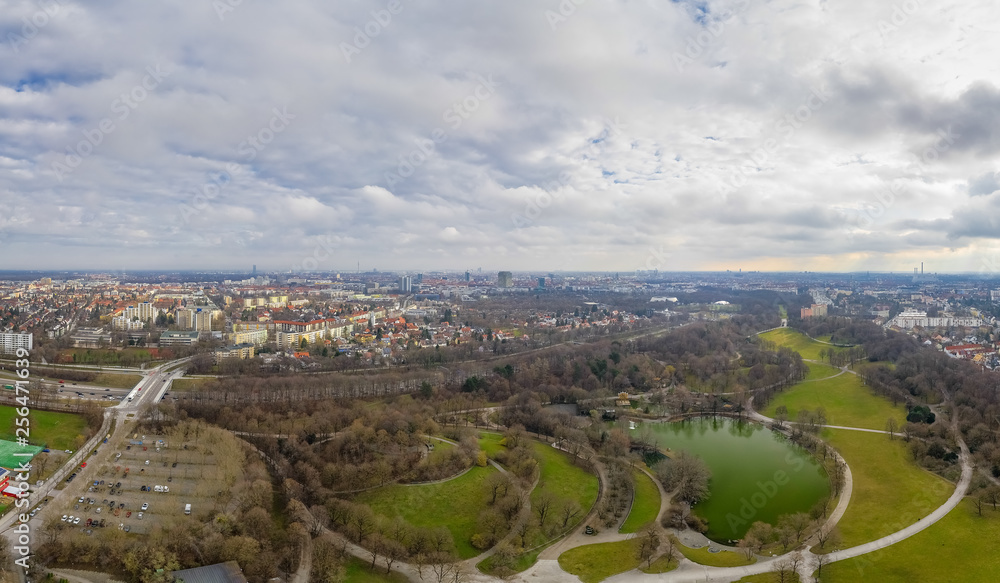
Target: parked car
x=145 y=506
x=76 y=520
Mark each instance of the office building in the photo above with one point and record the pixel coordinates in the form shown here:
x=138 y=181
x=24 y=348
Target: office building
x=505 y=279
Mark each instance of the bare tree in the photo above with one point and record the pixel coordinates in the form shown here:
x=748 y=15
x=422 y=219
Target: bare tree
x=891 y=427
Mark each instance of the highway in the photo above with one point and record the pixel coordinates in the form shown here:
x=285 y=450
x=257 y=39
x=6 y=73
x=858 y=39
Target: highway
x=147 y=392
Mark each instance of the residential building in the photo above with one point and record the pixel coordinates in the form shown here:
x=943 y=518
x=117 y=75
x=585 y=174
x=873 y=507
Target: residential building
x=242 y=351
x=10 y=342
x=505 y=279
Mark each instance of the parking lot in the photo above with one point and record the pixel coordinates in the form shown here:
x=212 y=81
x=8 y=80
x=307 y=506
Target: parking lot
x=128 y=476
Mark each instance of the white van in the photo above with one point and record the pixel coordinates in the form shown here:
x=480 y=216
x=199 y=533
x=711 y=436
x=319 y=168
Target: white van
x=187 y=509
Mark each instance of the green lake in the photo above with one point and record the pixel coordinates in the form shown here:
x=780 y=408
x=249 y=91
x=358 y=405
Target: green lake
x=757 y=474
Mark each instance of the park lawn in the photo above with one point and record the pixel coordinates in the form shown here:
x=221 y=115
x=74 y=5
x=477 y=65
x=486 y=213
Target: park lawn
x=890 y=491
x=358 y=571
x=660 y=565
x=441 y=449
x=960 y=547
x=847 y=401
x=799 y=342
x=769 y=578
x=645 y=504
x=49 y=428
x=594 y=563
x=719 y=559
x=188 y=384
x=454 y=504
x=490 y=443
x=564 y=479
x=820 y=371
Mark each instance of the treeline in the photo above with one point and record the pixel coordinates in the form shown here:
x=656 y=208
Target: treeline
x=241 y=528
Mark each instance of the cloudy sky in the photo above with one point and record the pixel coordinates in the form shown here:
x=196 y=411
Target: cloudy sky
x=519 y=134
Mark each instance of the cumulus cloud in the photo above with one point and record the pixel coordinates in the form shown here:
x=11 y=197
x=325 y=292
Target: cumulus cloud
x=512 y=134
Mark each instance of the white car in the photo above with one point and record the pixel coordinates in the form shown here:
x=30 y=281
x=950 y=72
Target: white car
x=70 y=519
x=140 y=516
x=76 y=520
x=64 y=518
x=166 y=488
x=145 y=506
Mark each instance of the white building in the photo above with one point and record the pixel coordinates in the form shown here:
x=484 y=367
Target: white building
x=908 y=319
x=10 y=342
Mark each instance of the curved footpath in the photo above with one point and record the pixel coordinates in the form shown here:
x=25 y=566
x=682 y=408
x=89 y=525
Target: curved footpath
x=691 y=572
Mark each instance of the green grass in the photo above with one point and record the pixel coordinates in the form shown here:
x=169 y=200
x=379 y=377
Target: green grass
x=848 y=402
x=720 y=559
x=52 y=429
x=521 y=563
x=116 y=381
x=799 y=342
x=490 y=443
x=890 y=491
x=594 y=563
x=645 y=505
x=454 y=504
x=820 y=371
x=358 y=571
x=188 y=384
x=660 y=565
x=564 y=480
x=960 y=547
x=769 y=578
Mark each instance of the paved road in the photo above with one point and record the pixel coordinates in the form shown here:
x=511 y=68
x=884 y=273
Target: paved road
x=146 y=392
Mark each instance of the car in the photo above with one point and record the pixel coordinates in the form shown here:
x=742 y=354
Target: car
x=127 y=528
x=147 y=462
x=107 y=389
x=128 y=514
x=90 y=521
x=166 y=488
x=64 y=518
x=170 y=478
x=32 y=513
x=67 y=451
x=76 y=520
x=140 y=516
x=98 y=511
x=118 y=455
x=80 y=500
x=174 y=465
x=145 y=506
x=142 y=489
x=118 y=485
x=128 y=447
